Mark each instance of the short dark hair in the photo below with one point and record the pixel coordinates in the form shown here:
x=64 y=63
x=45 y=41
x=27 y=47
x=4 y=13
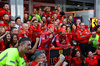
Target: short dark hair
x=47 y=17
x=93 y=31
x=39 y=8
x=62 y=13
x=55 y=9
x=5 y=4
x=13 y=28
x=5 y=14
x=17 y=18
x=63 y=25
x=10 y=21
x=96 y=27
x=26 y=21
x=34 y=20
x=22 y=40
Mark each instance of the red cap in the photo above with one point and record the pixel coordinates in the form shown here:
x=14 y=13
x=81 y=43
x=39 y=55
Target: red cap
x=61 y=30
x=50 y=25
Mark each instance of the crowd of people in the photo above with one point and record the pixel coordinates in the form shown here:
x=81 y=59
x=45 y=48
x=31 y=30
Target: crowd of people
x=28 y=42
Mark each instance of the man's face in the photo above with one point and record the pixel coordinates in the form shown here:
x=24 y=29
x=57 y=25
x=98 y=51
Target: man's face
x=25 y=27
x=28 y=24
x=12 y=24
x=78 y=21
x=55 y=23
x=43 y=58
x=51 y=29
x=55 y=16
x=6 y=17
x=26 y=47
x=82 y=26
x=98 y=29
x=40 y=10
x=47 y=9
x=43 y=19
x=19 y=21
x=93 y=34
x=6 y=7
x=35 y=23
x=64 y=27
x=70 y=18
x=64 y=21
x=56 y=11
x=59 y=9
x=48 y=18
x=34 y=11
x=98 y=22
x=15 y=31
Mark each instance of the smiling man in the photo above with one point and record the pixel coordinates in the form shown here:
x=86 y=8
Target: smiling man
x=14 y=56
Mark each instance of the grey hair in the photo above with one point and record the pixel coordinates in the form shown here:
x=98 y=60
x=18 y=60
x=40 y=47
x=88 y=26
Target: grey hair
x=37 y=54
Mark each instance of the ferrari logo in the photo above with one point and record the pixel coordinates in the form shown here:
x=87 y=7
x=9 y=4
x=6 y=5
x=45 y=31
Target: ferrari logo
x=60 y=52
x=80 y=33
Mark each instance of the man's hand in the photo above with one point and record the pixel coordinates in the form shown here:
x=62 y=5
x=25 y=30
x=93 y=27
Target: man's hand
x=53 y=47
x=97 y=43
x=68 y=45
x=7 y=32
x=61 y=58
x=92 y=39
x=63 y=42
x=37 y=39
x=51 y=36
x=65 y=63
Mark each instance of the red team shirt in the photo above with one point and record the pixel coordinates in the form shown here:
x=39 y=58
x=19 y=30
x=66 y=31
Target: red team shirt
x=93 y=62
x=80 y=35
x=59 y=39
x=77 y=61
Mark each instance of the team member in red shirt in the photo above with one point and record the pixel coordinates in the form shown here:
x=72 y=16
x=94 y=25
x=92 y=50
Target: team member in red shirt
x=69 y=33
x=54 y=17
x=83 y=37
x=6 y=20
x=92 y=60
x=35 y=30
x=47 y=12
x=46 y=38
x=5 y=10
x=23 y=32
x=98 y=54
x=74 y=32
x=61 y=39
x=77 y=60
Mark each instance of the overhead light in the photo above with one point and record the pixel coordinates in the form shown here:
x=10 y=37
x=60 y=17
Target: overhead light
x=78 y=5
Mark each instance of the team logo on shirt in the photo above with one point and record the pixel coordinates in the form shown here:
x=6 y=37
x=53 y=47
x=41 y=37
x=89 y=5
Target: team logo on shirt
x=80 y=33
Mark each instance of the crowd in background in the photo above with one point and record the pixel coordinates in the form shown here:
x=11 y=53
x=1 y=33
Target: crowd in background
x=48 y=30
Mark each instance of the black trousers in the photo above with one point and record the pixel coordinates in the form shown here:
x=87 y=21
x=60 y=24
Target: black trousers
x=98 y=62
x=85 y=48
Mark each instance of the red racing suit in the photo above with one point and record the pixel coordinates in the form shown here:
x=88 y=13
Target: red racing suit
x=59 y=39
x=45 y=41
